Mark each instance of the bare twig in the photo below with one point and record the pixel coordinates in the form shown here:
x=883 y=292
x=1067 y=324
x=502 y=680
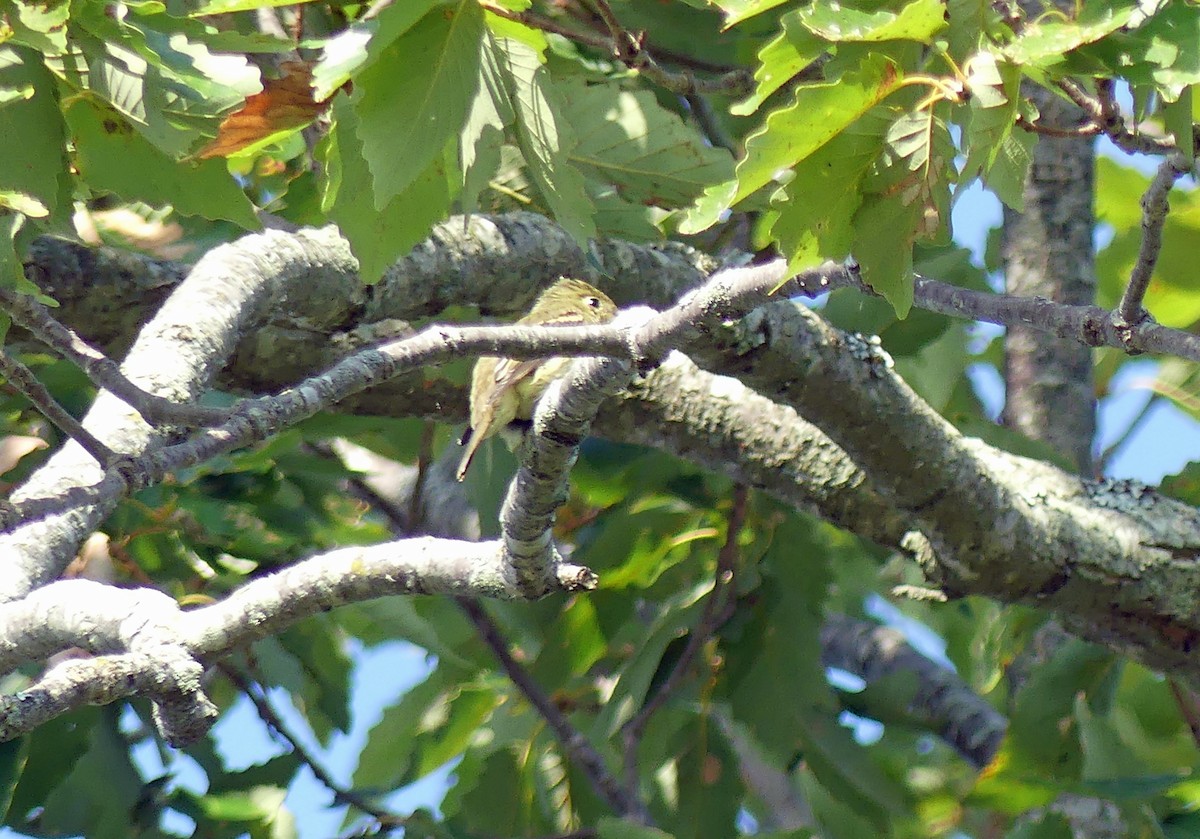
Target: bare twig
x=341 y=795
x=424 y=461
x=1155 y=207
x=99 y=368
x=1090 y=325
x=22 y=378
x=632 y=52
x=623 y=801
x=1103 y=111
x=709 y=122
x=710 y=618
x=1189 y=708
x=1111 y=450
x=1088 y=130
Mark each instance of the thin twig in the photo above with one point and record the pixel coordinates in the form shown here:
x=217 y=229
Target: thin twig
x=361 y=489
x=1189 y=708
x=268 y=715
x=632 y=731
x=1090 y=325
x=1111 y=450
x=99 y=368
x=1155 y=206
x=709 y=122
x=424 y=461
x=1086 y=130
x=1102 y=110
x=631 y=52
x=577 y=746
x=22 y=378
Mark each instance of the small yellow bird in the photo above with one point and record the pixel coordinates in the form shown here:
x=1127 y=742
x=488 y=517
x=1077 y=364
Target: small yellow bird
x=505 y=389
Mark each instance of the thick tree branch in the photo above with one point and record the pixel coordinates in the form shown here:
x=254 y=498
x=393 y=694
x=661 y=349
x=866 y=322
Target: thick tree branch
x=157 y=649
x=174 y=357
x=1113 y=560
x=942 y=701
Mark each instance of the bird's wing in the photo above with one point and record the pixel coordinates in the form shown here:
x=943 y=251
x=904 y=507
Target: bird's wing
x=510 y=371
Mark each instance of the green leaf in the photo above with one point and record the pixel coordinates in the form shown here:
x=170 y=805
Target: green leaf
x=32 y=134
x=905 y=198
x=482 y=137
x=919 y=20
x=627 y=139
x=412 y=101
x=995 y=149
x=105 y=145
x=710 y=791
x=359 y=45
x=173 y=90
x=325 y=697
x=810 y=230
x=543 y=135
x=780 y=59
x=258 y=811
x=433 y=722
x=99 y=795
x=13 y=757
x=1172 y=298
x=40 y=26
x=1044 y=731
x=738 y=10
x=1049 y=37
x=610 y=828
x=1048 y=826
x=378 y=237
x=777 y=652
x=818 y=113
x=835 y=817
x=573 y=643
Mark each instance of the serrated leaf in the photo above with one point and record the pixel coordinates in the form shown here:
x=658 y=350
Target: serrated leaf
x=1046 y=39
x=738 y=10
x=919 y=20
x=412 y=101
x=815 y=218
x=378 y=237
x=32 y=133
x=543 y=135
x=627 y=139
x=357 y=46
x=610 y=828
x=171 y=88
x=482 y=136
x=785 y=55
x=818 y=113
x=105 y=144
x=905 y=198
x=388 y=759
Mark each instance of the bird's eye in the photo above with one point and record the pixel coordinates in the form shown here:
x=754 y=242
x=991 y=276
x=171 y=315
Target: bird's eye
x=594 y=302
